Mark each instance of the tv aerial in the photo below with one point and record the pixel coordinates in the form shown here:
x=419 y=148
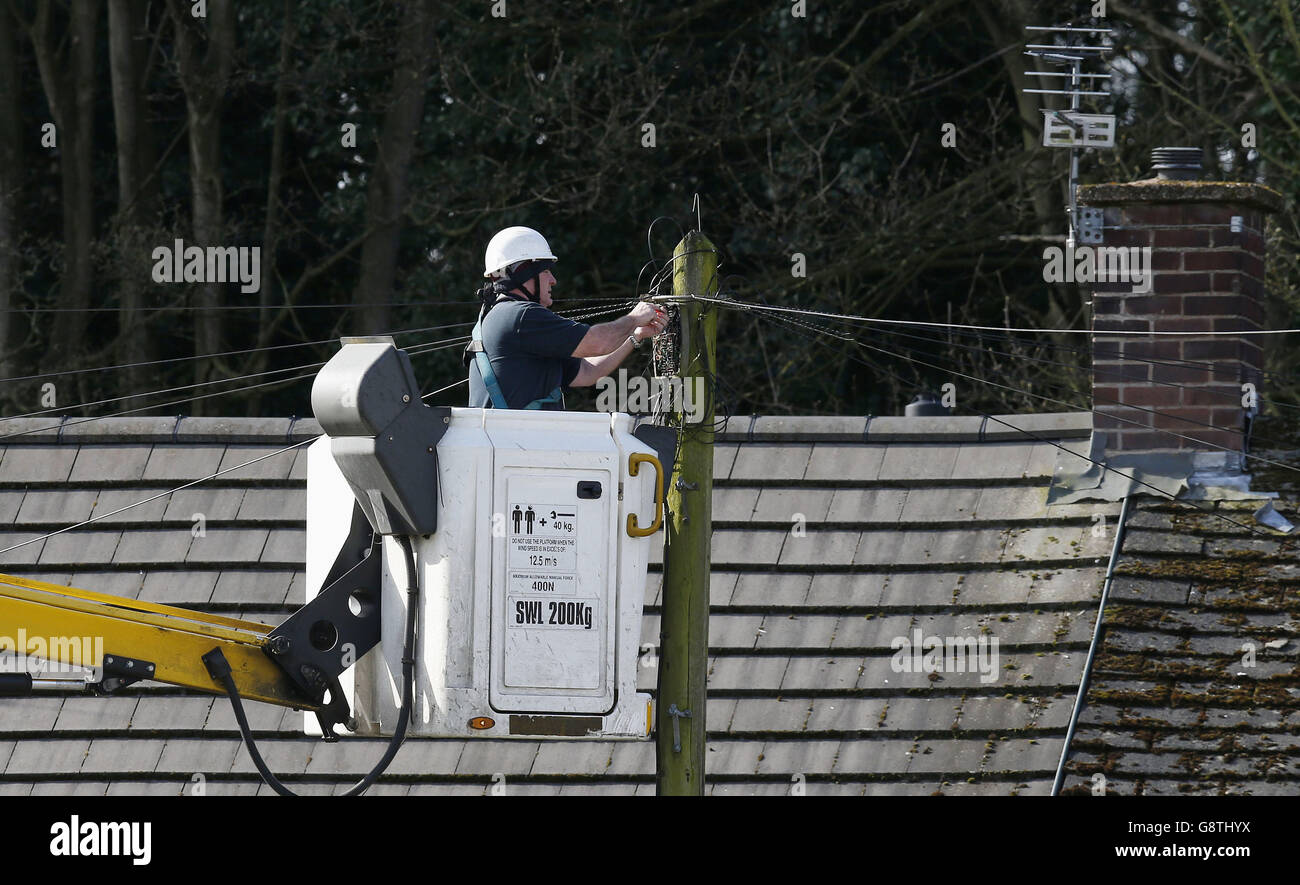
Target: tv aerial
x=1073 y=128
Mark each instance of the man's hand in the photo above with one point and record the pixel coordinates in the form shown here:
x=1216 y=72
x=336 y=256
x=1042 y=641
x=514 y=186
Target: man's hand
x=652 y=322
x=644 y=320
x=644 y=312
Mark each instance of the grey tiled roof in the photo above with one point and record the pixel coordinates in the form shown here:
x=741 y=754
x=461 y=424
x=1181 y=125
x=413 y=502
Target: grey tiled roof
x=1196 y=687
x=833 y=538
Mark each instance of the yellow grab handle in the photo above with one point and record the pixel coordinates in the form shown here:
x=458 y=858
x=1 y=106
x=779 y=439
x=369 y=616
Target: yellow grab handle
x=634 y=462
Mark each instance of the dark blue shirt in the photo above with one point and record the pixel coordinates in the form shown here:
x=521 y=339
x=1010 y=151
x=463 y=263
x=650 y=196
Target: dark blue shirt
x=531 y=352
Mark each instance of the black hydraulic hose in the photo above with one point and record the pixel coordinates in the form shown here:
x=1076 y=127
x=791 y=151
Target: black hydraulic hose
x=15 y=684
x=219 y=669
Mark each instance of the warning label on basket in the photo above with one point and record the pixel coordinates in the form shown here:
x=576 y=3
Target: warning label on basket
x=538 y=520
x=552 y=613
x=543 y=538
x=543 y=582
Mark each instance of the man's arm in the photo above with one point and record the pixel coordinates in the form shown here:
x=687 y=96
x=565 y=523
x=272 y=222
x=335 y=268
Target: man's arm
x=605 y=338
x=594 y=368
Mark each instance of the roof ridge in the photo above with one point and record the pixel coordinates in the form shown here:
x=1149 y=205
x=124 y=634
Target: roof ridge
x=176 y=429
x=747 y=428
x=899 y=428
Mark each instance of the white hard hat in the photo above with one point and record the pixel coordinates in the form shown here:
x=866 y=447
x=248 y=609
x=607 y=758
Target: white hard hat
x=512 y=245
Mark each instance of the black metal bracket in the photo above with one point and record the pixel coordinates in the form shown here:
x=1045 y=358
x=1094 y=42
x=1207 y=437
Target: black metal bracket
x=660 y=438
x=120 y=671
x=336 y=628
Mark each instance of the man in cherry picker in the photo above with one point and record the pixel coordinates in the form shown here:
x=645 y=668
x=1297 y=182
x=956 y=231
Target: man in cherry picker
x=522 y=355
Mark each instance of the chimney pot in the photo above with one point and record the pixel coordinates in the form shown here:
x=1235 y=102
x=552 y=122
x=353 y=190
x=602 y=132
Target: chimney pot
x=926 y=405
x=1176 y=163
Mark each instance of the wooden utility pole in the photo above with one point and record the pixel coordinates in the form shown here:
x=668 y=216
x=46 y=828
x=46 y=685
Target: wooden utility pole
x=684 y=631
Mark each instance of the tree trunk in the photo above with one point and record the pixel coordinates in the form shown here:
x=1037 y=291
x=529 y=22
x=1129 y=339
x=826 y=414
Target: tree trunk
x=68 y=76
x=266 y=325
x=1007 y=25
x=10 y=174
x=205 y=181
x=137 y=186
x=387 y=192
x=128 y=51
x=204 y=80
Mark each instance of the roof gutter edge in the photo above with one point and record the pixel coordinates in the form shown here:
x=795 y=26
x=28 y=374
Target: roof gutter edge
x=896 y=428
x=180 y=429
x=757 y=428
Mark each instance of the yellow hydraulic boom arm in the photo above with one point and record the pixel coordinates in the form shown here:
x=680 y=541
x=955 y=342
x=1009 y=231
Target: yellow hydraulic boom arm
x=295 y=664
x=130 y=639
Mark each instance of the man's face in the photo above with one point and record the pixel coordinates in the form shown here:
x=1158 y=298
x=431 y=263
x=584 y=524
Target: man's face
x=545 y=281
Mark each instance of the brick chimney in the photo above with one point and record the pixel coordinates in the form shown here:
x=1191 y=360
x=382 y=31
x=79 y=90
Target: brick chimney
x=1207 y=265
